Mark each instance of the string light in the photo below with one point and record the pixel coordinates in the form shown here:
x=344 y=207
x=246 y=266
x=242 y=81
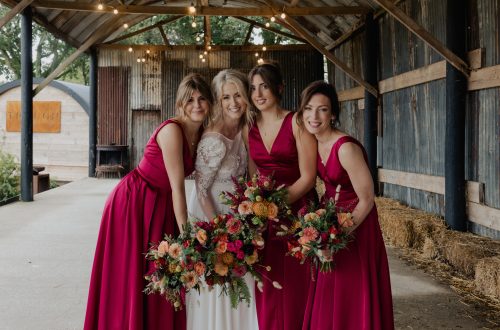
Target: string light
x=201 y=56
x=194 y=23
x=283 y=15
x=256 y=54
x=267 y=24
x=138 y=60
x=192 y=9
x=100 y=6
x=143 y=60
x=205 y=52
x=273 y=19
x=198 y=39
x=125 y=26
x=148 y=51
x=260 y=61
x=209 y=47
x=130 y=49
x=264 y=48
x=115 y=11
x=203 y=60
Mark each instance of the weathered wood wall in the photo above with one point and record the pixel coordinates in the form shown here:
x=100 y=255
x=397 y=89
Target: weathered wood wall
x=412 y=127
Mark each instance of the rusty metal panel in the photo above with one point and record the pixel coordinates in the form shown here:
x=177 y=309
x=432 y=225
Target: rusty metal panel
x=112 y=106
x=143 y=125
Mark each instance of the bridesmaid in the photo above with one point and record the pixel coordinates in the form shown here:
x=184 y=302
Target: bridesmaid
x=277 y=145
x=357 y=293
x=147 y=203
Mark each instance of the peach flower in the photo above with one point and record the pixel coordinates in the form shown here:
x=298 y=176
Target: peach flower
x=320 y=212
x=199 y=268
x=201 y=236
x=245 y=208
x=190 y=279
x=163 y=248
x=311 y=217
x=175 y=250
x=345 y=219
x=272 y=211
x=251 y=259
x=221 y=269
x=227 y=258
x=220 y=247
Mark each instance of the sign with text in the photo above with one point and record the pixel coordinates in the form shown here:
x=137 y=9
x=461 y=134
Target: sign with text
x=46 y=116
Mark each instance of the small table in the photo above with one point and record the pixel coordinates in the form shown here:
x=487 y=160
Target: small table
x=110 y=159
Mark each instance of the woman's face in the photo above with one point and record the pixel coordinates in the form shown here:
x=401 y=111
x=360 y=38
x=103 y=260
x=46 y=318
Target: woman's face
x=262 y=96
x=233 y=103
x=197 y=107
x=318 y=114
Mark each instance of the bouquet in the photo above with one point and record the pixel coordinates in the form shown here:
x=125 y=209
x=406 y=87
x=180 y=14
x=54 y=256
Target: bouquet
x=258 y=201
x=230 y=250
x=178 y=268
x=318 y=234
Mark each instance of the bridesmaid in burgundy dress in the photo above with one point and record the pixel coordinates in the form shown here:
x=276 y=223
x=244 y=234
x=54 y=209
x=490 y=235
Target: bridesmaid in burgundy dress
x=277 y=145
x=144 y=206
x=356 y=295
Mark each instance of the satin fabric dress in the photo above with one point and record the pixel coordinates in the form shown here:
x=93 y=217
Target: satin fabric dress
x=356 y=295
x=218 y=159
x=281 y=309
x=139 y=211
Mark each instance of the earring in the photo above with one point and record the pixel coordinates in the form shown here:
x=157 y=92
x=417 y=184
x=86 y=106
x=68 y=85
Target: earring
x=332 y=122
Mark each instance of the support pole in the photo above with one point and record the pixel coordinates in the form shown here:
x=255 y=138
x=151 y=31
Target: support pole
x=93 y=112
x=26 y=106
x=456 y=92
x=370 y=112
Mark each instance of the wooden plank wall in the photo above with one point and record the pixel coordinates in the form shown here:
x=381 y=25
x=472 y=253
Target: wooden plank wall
x=412 y=87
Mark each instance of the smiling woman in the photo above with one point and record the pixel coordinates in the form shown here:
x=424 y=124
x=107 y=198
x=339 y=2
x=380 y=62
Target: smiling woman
x=147 y=204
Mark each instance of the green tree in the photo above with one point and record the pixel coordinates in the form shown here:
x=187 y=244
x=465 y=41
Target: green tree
x=48 y=53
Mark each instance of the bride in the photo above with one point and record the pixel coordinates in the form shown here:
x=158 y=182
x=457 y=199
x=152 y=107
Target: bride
x=221 y=154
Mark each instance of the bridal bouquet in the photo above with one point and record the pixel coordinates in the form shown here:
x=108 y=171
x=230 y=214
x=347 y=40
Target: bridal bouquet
x=318 y=234
x=229 y=247
x=178 y=268
x=257 y=201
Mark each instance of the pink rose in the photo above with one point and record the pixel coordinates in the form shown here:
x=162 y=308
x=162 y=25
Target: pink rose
x=245 y=208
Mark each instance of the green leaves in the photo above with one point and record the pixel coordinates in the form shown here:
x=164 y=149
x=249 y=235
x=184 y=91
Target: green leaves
x=9 y=176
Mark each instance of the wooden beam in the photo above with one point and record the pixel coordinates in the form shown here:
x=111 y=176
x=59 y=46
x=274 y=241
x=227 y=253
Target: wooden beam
x=319 y=47
x=101 y=33
x=422 y=75
x=208 y=31
x=147 y=28
x=249 y=48
x=14 y=11
x=430 y=183
x=484 y=215
x=488 y=77
x=476 y=58
x=249 y=34
x=425 y=36
x=294 y=3
x=164 y=35
x=351 y=94
x=202 y=10
x=271 y=29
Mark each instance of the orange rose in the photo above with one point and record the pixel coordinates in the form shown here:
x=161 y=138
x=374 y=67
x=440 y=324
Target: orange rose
x=251 y=259
x=345 y=219
x=221 y=269
x=220 y=247
x=201 y=236
x=199 y=268
x=272 y=210
x=260 y=209
x=227 y=258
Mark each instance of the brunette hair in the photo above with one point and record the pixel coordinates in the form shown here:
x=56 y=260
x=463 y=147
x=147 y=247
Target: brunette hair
x=271 y=75
x=323 y=88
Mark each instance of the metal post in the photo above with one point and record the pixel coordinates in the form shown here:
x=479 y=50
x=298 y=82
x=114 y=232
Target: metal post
x=26 y=107
x=456 y=92
x=370 y=111
x=93 y=112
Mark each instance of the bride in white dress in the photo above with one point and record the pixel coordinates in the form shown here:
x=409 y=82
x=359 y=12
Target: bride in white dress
x=221 y=154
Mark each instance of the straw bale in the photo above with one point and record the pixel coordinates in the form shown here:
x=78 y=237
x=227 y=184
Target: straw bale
x=429 y=249
x=487 y=276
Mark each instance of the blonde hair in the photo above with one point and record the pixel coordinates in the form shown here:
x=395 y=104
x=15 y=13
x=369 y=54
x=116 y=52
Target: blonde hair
x=241 y=81
x=193 y=82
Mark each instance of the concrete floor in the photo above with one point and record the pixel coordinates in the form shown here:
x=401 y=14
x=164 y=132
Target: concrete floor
x=47 y=247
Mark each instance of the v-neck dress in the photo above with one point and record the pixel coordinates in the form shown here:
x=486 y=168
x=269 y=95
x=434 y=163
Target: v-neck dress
x=139 y=211
x=356 y=295
x=281 y=309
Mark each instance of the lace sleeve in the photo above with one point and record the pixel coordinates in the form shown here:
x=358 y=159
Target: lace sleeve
x=211 y=151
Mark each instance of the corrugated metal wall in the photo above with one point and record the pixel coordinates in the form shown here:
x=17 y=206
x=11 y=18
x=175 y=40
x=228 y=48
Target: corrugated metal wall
x=153 y=83
x=414 y=120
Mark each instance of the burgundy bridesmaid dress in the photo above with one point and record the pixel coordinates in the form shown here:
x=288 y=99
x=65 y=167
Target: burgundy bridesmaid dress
x=138 y=211
x=356 y=295
x=281 y=309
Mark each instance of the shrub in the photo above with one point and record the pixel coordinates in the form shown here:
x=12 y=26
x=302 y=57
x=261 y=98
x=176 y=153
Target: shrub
x=9 y=176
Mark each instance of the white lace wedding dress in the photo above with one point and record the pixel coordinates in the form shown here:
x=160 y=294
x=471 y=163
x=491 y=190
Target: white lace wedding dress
x=218 y=159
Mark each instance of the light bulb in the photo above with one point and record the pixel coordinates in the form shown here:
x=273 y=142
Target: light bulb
x=273 y=19
x=256 y=54
x=205 y=52
x=283 y=15
x=209 y=47
x=138 y=60
x=125 y=26
x=267 y=24
x=143 y=60
x=193 y=24
x=203 y=60
x=100 y=6
x=201 y=56
x=192 y=9
x=197 y=38
x=264 y=48
x=148 y=51
x=130 y=49
x=115 y=11
x=260 y=61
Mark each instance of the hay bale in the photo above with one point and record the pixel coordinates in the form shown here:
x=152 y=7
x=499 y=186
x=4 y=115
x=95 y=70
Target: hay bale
x=429 y=249
x=487 y=276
